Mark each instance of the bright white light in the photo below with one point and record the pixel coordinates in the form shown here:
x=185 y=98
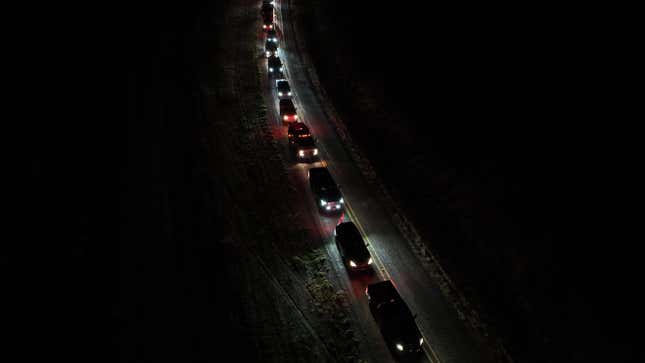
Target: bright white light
x=301 y=153
x=316 y=153
x=369 y=262
x=337 y=206
x=270 y=69
x=399 y=347
x=279 y=93
x=342 y=200
x=280 y=69
x=285 y=118
x=289 y=93
x=295 y=117
x=421 y=341
x=351 y=263
x=328 y=207
x=268 y=53
x=323 y=202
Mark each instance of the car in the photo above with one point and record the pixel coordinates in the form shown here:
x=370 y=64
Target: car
x=274 y=66
x=394 y=319
x=297 y=130
x=283 y=88
x=352 y=248
x=288 y=111
x=325 y=191
x=270 y=49
x=304 y=149
x=267 y=10
x=267 y=23
x=272 y=35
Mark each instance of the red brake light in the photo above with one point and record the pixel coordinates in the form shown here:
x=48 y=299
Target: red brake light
x=285 y=117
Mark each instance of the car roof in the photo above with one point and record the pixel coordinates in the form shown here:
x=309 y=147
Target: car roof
x=351 y=239
x=282 y=83
x=298 y=126
x=306 y=141
x=321 y=174
x=321 y=170
x=382 y=292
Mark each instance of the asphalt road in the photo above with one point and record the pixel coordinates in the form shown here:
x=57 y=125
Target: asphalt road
x=446 y=336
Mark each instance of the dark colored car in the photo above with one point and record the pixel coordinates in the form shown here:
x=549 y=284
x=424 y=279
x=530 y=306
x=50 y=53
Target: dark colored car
x=270 y=49
x=267 y=10
x=275 y=66
x=272 y=35
x=283 y=88
x=325 y=191
x=304 y=149
x=288 y=111
x=394 y=319
x=267 y=23
x=297 y=130
x=352 y=248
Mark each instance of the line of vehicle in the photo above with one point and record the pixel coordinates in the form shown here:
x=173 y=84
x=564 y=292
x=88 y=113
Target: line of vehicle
x=382 y=270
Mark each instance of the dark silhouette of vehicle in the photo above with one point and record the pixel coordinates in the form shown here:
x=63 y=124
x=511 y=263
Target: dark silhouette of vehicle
x=297 y=130
x=326 y=192
x=304 y=149
x=274 y=66
x=352 y=248
x=288 y=111
x=270 y=49
x=283 y=88
x=267 y=22
x=267 y=10
x=394 y=319
x=272 y=36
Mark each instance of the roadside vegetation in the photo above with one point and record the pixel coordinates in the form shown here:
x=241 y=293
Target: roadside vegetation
x=290 y=310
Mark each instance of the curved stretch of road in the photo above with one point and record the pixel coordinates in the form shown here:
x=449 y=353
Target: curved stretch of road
x=446 y=336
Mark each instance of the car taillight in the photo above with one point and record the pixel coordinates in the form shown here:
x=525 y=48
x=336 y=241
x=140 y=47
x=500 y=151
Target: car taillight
x=295 y=117
x=285 y=118
x=264 y=26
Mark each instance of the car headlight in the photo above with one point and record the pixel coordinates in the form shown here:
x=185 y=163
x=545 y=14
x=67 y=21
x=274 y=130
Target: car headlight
x=421 y=341
x=342 y=200
x=289 y=93
x=268 y=53
x=315 y=151
x=369 y=262
x=270 y=69
x=351 y=263
x=279 y=93
x=280 y=69
x=399 y=347
x=323 y=202
x=301 y=153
